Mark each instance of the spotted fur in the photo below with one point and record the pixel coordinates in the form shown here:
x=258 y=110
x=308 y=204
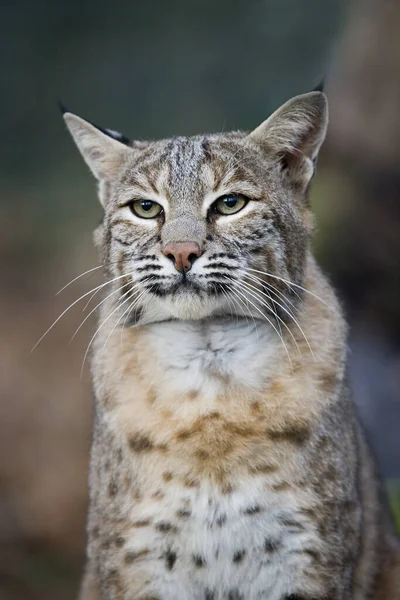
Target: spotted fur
x=227 y=462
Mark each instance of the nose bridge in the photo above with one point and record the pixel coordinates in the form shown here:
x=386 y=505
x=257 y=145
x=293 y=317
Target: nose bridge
x=184 y=229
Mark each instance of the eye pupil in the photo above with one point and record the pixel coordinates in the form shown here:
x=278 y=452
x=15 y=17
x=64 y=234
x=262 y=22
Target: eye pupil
x=146 y=209
x=229 y=204
x=231 y=201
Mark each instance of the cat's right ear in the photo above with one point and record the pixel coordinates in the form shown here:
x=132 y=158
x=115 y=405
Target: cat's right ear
x=294 y=134
x=102 y=152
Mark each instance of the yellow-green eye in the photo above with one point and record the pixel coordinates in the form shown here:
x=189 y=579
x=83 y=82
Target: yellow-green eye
x=145 y=209
x=230 y=204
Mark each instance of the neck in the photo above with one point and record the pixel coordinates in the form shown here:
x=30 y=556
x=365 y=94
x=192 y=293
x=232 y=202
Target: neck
x=174 y=361
x=213 y=353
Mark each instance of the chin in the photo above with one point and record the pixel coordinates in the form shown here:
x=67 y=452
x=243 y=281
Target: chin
x=187 y=306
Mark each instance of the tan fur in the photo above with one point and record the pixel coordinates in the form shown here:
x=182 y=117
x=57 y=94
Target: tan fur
x=213 y=453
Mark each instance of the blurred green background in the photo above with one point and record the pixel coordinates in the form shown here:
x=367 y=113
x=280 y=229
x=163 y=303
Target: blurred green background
x=153 y=69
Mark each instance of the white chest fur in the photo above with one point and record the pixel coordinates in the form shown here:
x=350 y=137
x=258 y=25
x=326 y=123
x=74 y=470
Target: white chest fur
x=202 y=356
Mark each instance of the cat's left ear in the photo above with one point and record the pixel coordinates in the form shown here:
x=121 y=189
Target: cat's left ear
x=103 y=150
x=294 y=134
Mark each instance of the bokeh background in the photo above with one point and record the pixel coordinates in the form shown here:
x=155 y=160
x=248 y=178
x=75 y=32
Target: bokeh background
x=152 y=69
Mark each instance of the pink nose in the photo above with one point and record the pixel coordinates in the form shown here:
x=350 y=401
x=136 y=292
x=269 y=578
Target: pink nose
x=182 y=254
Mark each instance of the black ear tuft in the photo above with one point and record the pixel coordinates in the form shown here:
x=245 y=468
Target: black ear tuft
x=62 y=107
x=111 y=133
x=320 y=86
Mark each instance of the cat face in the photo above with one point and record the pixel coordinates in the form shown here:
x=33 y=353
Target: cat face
x=211 y=225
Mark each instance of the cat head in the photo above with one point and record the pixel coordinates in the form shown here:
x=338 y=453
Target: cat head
x=209 y=225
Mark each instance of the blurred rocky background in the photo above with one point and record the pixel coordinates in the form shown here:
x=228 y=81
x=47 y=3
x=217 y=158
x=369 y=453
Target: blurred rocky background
x=152 y=69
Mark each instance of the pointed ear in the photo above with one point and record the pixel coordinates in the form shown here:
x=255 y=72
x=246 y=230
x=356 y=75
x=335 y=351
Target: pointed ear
x=102 y=151
x=294 y=134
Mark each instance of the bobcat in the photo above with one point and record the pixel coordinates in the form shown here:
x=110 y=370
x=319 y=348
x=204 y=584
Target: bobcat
x=227 y=460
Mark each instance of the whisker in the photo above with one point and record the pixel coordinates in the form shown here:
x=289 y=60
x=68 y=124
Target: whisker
x=290 y=283
x=280 y=320
x=229 y=304
x=271 y=288
x=73 y=304
x=90 y=299
x=270 y=322
x=130 y=307
x=78 y=277
x=238 y=299
x=101 y=326
x=127 y=312
x=128 y=258
x=234 y=299
x=287 y=283
x=97 y=306
x=127 y=315
x=247 y=308
x=286 y=311
x=245 y=303
x=271 y=307
x=267 y=295
x=264 y=293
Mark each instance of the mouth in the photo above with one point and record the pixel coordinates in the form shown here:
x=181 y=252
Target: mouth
x=185 y=296
x=202 y=285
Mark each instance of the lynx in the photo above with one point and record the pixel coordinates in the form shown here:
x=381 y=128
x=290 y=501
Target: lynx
x=227 y=460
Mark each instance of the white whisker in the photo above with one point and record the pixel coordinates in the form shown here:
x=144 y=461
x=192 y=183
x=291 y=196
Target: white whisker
x=247 y=308
x=230 y=304
x=271 y=288
x=269 y=321
x=73 y=304
x=290 y=283
x=244 y=282
x=234 y=299
x=287 y=312
x=90 y=299
x=97 y=306
x=128 y=310
x=101 y=326
x=263 y=303
x=238 y=299
x=287 y=283
x=78 y=277
x=127 y=314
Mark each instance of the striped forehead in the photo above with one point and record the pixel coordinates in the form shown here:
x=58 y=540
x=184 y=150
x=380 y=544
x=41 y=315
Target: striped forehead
x=203 y=164
x=188 y=171
x=183 y=170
